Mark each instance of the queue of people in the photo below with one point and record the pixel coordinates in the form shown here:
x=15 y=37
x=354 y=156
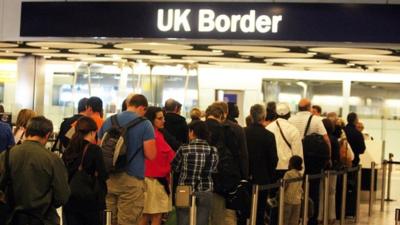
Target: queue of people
x=213 y=155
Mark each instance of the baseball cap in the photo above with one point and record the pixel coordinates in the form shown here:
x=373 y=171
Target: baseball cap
x=282 y=109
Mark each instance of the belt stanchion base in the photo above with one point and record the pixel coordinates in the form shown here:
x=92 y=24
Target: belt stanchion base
x=254 y=203
x=371 y=190
x=193 y=209
x=306 y=198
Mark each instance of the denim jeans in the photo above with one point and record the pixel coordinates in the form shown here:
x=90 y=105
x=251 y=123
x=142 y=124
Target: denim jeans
x=204 y=205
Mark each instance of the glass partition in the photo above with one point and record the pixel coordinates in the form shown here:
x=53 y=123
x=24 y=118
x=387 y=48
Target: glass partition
x=327 y=94
x=112 y=83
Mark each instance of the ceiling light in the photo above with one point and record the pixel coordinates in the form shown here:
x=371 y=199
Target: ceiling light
x=216 y=51
x=351 y=64
x=311 y=53
x=116 y=57
x=127 y=49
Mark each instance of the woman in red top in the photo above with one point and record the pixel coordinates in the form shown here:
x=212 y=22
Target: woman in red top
x=157 y=173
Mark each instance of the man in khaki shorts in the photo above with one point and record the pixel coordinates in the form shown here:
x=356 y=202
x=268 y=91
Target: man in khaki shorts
x=125 y=196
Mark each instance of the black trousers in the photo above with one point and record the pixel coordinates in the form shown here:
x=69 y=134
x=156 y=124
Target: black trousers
x=262 y=205
x=314 y=195
x=83 y=218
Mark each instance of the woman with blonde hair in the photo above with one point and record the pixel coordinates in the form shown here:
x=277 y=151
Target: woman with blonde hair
x=23 y=117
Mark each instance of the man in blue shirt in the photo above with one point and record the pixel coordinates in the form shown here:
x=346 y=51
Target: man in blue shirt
x=125 y=196
x=6 y=136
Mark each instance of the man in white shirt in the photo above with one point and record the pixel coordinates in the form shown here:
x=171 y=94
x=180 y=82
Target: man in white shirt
x=301 y=118
x=300 y=121
x=287 y=138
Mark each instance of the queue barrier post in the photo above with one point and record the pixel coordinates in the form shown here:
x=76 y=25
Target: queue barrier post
x=281 y=202
x=193 y=209
x=344 y=194
x=306 y=198
x=254 y=203
x=389 y=185
x=371 y=190
x=359 y=174
x=384 y=168
x=108 y=215
x=326 y=197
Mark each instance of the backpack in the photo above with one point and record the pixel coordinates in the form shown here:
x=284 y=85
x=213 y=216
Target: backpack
x=315 y=150
x=227 y=177
x=113 y=145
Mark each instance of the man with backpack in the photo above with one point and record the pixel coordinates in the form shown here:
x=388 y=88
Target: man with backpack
x=236 y=138
x=228 y=176
x=316 y=148
x=34 y=180
x=66 y=124
x=125 y=196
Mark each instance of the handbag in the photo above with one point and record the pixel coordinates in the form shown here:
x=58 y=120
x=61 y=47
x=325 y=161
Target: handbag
x=240 y=199
x=183 y=196
x=84 y=187
x=346 y=153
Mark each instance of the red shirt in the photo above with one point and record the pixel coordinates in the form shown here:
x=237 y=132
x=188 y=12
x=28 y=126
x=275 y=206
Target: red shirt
x=161 y=165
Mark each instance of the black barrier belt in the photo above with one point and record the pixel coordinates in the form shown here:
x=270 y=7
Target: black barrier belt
x=315 y=176
x=294 y=180
x=353 y=169
x=310 y=177
x=269 y=186
x=334 y=172
x=391 y=162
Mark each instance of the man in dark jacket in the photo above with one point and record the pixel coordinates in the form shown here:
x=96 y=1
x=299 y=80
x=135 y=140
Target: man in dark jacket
x=228 y=176
x=354 y=137
x=262 y=154
x=66 y=124
x=175 y=124
x=39 y=178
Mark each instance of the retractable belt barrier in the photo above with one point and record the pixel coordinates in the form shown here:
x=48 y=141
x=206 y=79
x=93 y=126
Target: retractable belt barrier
x=387 y=169
x=324 y=175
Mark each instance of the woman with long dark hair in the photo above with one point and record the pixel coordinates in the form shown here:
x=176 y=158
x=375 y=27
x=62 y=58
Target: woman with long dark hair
x=83 y=155
x=157 y=173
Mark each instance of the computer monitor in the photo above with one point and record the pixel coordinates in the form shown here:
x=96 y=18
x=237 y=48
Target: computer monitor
x=6 y=117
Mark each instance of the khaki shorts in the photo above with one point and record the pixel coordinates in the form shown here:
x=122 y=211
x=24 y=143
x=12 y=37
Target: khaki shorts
x=125 y=198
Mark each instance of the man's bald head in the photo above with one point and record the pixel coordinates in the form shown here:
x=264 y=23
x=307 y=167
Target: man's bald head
x=304 y=104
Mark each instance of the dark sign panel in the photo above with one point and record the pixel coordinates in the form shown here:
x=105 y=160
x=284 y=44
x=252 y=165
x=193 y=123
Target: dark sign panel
x=210 y=20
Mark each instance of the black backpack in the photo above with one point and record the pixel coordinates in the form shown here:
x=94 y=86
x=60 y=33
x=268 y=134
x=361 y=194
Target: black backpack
x=315 y=150
x=227 y=177
x=113 y=145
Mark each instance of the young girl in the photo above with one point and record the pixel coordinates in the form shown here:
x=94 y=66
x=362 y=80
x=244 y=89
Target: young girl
x=293 y=191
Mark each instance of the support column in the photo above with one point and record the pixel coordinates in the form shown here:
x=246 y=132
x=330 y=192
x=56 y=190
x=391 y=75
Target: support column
x=30 y=85
x=346 y=98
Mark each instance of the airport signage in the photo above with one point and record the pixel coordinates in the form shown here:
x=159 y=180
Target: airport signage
x=213 y=20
